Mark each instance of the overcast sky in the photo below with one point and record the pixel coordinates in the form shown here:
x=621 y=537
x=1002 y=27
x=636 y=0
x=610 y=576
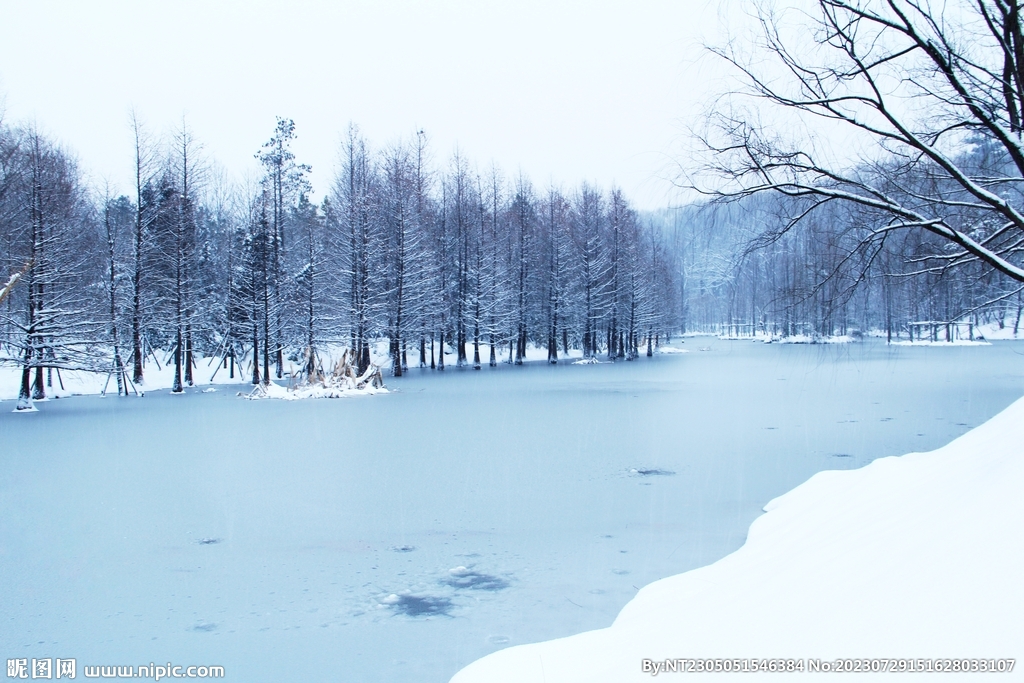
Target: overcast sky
x=562 y=91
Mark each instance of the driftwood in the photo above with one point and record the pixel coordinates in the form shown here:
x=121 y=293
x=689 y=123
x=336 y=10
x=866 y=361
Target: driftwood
x=344 y=377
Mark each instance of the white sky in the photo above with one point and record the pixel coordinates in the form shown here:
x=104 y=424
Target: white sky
x=564 y=91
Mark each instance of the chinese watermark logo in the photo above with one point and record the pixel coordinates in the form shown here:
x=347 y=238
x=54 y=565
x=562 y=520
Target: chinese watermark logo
x=40 y=668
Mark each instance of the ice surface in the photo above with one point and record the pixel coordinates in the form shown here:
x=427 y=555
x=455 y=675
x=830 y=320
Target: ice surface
x=907 y=558
x=322 y=510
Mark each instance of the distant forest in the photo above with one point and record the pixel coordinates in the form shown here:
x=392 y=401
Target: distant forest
x=425 y=254
x=743 y=267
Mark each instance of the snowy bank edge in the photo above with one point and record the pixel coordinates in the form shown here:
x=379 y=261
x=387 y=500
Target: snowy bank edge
x=909 y=556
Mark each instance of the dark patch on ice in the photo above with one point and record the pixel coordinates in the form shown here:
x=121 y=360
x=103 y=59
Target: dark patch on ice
x=419 y=605
x=841 y=455
x=886 y=419
x=204 y=627
x=460 y=577
x=652 y=472
x=208 y=541
x=403 y=548
x=771 y=427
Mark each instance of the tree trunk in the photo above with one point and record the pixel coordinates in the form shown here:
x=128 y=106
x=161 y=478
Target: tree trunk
x=176 y=387
x=25 y=392
x=189 y=360
x=476 y=341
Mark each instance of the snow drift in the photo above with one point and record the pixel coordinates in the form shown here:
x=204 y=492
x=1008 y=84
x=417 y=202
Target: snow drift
x=919 y=556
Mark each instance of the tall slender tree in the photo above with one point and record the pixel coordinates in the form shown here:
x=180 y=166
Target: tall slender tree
x=287 y=182
x=142 y=177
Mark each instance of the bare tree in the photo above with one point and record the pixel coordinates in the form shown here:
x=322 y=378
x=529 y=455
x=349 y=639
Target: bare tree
x=55 y=312
x=355 y=196
x=175 y=234
x=287 y=181
x=523 y=213
x=590 y=266
x=929 y=93
x=143 y=173
x=116 y=212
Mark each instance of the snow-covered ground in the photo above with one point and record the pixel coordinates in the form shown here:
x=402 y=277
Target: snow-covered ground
x=68 y=383
x=404 y=536
x=807 y=339
x=983 y=333
x=912 y=557
x=942 y=344
x=760 y=336
x=208 y=372
x=993 y=331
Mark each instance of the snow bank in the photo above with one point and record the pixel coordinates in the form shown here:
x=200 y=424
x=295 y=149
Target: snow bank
x=955 y=342
x=207 y=371
x=81 y=383
x=807 y=339
x=919 y=556
x=272 y=390
x=994 y=331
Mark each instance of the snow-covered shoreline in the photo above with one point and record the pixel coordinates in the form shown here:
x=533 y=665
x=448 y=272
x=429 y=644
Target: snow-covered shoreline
x=210 y=372
x=918 y=556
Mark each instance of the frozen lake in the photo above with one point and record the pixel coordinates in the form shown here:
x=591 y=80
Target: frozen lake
x=399 y=537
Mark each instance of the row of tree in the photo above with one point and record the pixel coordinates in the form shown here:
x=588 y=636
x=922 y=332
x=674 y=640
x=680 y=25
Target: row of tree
x=426 y=258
